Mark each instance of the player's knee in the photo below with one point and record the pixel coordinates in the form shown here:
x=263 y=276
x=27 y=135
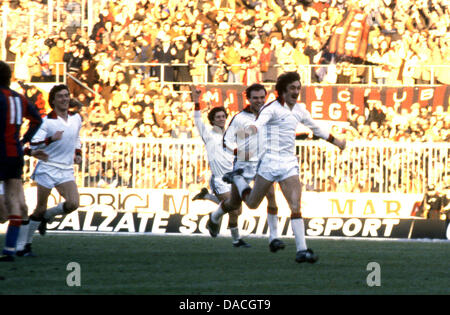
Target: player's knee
x=8 y=203
x=252 y=204
x=270 y=195
x=235 y=213
x=70 y=206
x=230 y=207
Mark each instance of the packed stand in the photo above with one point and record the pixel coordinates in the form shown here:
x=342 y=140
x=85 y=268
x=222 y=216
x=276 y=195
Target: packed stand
x=240 y=42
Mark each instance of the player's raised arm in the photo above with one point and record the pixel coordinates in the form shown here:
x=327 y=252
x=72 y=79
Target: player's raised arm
x=304 y=117
x=201 y=127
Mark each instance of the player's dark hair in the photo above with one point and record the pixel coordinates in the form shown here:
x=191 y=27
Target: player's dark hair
x=254 y=87
x=5 y=73
x=212 y=113
x=53 y=91
x=284 y=80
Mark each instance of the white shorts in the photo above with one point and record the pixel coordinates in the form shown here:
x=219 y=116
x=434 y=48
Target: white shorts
x=50 y=176
x=218 y=186
x=277 y=169
x=249 y=168
x=2 y=188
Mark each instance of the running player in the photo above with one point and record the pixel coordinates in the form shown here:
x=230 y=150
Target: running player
x=13 y=107
x=246 y=151
x=278 y=121
x=59 y=137
x=220 y=161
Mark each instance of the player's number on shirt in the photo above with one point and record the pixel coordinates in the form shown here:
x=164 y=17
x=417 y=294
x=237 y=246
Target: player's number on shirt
x=15 y=110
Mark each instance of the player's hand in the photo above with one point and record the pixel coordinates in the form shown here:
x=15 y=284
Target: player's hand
x=78 y=159
x=246 y=132
x=340 y=143
x=196 y=95
x=39 y=154
x=57 y=135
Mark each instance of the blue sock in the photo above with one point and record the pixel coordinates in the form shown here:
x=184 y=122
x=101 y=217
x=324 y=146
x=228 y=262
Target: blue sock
x=12 y=233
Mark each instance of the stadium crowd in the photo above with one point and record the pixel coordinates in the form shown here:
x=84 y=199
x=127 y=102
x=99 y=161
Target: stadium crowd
x=239 y=41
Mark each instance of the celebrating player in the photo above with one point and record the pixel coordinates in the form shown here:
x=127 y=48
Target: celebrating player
x=13 y=107
x=220 y=161
x=278 y=163
x=58 y=136
x=246 y=150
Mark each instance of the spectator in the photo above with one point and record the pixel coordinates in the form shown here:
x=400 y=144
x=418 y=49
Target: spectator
x=126 y=51
x=376 y=113
x=56 y=57
x=404 y=39
x=196 y=59
x=268 y=62
x=232 y=60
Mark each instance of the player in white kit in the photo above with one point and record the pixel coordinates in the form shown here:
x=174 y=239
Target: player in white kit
x=277 y=121
x=59 y=137
x=246 y=151
x=220 y=161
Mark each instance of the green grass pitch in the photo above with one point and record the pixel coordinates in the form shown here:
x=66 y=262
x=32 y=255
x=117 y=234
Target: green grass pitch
x=200 y=265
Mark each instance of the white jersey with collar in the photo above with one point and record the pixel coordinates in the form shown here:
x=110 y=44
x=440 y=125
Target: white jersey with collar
x=61 y=152
x=243 y=148
x=220 y=161
x=279 y=123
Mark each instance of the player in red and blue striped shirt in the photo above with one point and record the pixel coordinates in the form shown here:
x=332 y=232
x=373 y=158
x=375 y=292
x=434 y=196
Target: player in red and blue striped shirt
x=13 y=108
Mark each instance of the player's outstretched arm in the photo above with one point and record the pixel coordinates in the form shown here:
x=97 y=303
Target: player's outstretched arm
x=340 y=143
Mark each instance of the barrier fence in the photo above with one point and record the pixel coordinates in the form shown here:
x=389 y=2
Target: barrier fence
x=381 y=167
x=312 y=73
x=326 y=74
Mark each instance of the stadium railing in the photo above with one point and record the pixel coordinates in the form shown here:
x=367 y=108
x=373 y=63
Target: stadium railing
x=376 y=166
x=363 y=75
x=357 y=74
x=59 y=68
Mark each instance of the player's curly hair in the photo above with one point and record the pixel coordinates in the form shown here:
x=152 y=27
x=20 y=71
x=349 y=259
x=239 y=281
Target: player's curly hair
x=53 y=91
x=284 y=80
x=214 y=111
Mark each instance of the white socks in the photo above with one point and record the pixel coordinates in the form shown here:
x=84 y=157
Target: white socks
x=52 y=212
x=32 y=227
x=27 y=231
x=217 y=215
x=212 y=197
x=272 y=221
x=235 y=234
x=298 y=227
x=241 y=184
x=23 y=236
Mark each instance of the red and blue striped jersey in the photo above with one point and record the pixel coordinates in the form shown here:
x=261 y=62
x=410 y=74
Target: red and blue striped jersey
x=13 y=108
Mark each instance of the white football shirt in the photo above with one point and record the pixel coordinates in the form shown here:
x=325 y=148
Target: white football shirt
x=245 y=148
x=61 y=152
x=278 y=123
x=220 y=161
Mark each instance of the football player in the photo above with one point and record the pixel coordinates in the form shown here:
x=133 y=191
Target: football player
x=220 y=161
x=13 y=107
x=246 y=151
x=59 y=137
x=278 y=163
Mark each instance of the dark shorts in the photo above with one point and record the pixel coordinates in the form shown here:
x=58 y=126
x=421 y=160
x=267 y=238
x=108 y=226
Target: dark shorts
x=11 y=167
